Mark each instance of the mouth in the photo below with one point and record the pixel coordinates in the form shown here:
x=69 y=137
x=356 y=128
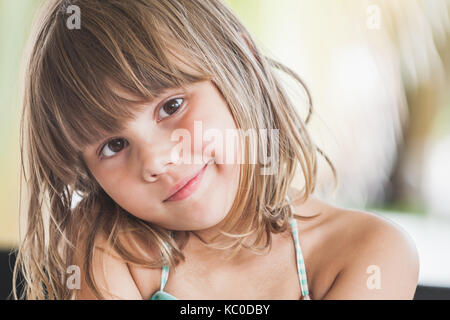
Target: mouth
x=185 y=188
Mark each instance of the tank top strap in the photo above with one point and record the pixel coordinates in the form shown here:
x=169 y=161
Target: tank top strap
x=165 y=269
x=164 y=276
x=301 y=269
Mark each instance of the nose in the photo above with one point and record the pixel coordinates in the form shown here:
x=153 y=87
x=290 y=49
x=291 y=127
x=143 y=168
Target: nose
x=155 y=160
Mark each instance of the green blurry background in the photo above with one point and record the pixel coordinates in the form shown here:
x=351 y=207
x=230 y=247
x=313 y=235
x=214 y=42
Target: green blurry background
x=15 y=21
x=378 y=72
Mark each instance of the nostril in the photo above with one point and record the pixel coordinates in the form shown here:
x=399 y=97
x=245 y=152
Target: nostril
x=150 y=177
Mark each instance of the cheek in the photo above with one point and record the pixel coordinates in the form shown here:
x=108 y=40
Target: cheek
x=212 y=132
x=228 y=174
x=110 y=186
x=119 y=186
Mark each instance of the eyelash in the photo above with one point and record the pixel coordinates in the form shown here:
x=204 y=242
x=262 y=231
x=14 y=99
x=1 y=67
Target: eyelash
x=182 y=105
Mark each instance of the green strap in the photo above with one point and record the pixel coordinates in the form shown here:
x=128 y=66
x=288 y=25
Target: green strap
x=301 y=269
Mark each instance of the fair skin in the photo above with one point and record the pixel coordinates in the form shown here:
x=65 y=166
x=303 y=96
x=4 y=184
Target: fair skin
x=338 y=245
x=140 y=175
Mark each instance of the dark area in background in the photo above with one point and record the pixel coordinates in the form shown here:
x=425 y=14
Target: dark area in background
x=7 y=260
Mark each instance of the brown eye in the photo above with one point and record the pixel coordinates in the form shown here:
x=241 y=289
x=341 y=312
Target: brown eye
x=170 y=107
x=112 y=147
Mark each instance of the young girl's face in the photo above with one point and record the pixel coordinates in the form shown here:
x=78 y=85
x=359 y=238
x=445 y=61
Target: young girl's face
x=140 y=168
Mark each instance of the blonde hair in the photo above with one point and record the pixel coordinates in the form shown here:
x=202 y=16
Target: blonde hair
x=68 y=103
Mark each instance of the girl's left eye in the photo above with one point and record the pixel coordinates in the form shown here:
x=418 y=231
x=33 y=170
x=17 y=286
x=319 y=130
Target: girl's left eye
x=170 y=107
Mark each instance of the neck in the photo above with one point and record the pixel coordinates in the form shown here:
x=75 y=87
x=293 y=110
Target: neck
x=198 y=250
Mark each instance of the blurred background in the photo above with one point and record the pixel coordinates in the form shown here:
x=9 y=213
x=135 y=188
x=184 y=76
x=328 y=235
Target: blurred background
x=379 y=75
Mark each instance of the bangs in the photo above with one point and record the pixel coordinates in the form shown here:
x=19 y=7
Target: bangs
x=83 y=70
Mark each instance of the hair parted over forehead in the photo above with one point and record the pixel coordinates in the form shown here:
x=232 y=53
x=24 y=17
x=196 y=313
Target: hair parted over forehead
x=70 y=101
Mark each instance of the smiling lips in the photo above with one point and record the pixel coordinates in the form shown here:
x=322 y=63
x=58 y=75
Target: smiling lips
x=185 y=189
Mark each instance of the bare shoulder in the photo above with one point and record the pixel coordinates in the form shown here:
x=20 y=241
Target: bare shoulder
x=382 y=260
x=365 y=256
x=112 y=275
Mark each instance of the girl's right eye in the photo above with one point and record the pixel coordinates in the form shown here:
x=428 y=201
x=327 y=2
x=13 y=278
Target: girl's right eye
x=114 y=145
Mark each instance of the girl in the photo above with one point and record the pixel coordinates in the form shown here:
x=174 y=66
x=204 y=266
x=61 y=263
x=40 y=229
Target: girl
x=160 y=217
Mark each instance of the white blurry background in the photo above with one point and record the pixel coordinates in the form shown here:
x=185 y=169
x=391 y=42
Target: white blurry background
x=378 y=72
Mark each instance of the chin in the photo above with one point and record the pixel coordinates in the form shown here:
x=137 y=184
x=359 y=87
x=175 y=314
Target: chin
x=204 y=219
